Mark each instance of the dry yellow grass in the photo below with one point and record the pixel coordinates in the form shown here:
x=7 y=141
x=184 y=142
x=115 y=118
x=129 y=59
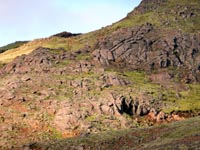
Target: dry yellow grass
x=24 y=49
x=13 y=53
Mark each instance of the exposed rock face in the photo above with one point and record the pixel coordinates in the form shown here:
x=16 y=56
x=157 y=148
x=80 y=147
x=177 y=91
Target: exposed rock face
x=39 y=60
x=78 y=114
x=145 y=48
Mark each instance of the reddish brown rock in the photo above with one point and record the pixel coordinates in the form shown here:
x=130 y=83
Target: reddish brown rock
x=160 y=117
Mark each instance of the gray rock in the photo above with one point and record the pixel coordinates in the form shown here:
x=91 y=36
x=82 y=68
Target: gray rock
x=143 y=50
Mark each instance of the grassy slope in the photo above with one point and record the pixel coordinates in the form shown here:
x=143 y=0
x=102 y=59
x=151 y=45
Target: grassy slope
x=166 y=13
x=188 y=98
x=177 y=135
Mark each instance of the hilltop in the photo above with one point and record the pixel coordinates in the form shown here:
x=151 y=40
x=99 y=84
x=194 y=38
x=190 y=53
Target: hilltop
x=141 y=71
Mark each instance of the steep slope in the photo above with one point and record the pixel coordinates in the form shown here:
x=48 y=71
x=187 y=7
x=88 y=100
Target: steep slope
x=138 y=72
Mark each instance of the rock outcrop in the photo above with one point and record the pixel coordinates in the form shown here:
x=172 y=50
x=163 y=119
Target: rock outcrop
x=40 y=60
x=149 y=48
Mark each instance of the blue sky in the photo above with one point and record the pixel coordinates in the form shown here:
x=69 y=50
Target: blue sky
x=31 y=19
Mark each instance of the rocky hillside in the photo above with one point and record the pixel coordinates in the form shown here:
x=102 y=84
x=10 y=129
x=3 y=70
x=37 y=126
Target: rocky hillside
x=142 y=71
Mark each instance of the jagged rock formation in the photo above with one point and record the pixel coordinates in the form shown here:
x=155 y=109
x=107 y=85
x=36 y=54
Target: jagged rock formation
x=39 y=60
x=149 y=48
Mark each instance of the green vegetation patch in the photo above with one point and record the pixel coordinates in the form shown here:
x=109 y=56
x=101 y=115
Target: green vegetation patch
x=187 y=99
x=190 y=99
x=164 y=16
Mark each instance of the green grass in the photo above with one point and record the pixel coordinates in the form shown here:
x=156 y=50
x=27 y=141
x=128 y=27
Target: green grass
x=136 y=77
x=159 y=16
x=189 y=99
x=140 y=82
x=83 y=57
x=136 y=20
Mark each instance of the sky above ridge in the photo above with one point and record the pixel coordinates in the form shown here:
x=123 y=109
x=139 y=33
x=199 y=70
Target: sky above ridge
x=31 y=19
